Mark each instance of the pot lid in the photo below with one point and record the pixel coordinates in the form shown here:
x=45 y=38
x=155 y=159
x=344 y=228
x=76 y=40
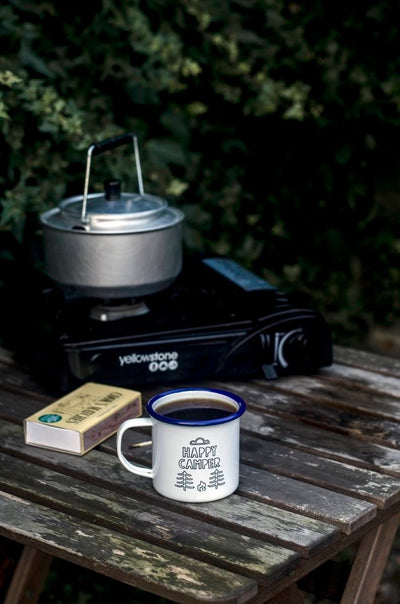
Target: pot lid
x=113 y=211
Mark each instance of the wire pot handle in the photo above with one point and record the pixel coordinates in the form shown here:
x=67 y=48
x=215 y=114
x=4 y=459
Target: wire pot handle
x=107 y=145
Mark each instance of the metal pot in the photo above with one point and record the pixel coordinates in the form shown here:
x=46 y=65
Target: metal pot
x=113 y=245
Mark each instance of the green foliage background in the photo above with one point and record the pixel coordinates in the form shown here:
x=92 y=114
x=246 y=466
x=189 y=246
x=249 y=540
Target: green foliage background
x=274 y=125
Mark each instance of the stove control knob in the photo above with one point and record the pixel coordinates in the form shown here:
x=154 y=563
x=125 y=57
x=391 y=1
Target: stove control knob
x=294 y=349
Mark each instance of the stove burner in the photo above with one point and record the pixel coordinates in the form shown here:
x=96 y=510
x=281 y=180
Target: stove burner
x=115 y=311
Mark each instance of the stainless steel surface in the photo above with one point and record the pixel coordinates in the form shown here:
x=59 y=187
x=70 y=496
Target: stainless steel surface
x=113 y=266
x=106 y=247
x=133 y=213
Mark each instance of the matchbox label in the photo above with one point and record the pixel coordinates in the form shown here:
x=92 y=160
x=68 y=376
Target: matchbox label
x=155 y=361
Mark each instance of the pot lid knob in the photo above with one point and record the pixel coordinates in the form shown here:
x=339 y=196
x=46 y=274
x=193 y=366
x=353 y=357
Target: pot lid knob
x=112 y=189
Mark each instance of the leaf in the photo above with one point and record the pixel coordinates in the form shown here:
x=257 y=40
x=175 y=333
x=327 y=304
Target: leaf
x=8 y=78
x=3 y=111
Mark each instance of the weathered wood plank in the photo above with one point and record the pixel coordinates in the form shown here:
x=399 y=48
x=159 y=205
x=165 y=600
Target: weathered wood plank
x=262 y=429
x=325 y=389
x=313 y=563
x=301 y=533
x=369 y=564
x=323 y=442
x=132 y=561
x=21 y=396
x=251 y=518
x=19 y=378
x=346 y=512
x=365 y=369
x=199 y=539
x=29 y=577
x=368 y=456
x=348 y=479
x=15 y=405
x=358 y=426
x=344 y=478
x=364 y=379
x=367 y=360
x=363 y=427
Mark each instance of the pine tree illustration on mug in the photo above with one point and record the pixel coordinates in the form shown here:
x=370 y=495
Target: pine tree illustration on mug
x=184 y=481
x=216 y=479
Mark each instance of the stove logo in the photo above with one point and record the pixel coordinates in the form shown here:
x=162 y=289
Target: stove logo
x=157 y=361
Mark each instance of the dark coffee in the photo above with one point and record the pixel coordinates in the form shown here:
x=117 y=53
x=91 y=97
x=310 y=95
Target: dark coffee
x=195 y=410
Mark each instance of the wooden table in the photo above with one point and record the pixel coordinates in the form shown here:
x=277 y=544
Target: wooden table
x=320 y=470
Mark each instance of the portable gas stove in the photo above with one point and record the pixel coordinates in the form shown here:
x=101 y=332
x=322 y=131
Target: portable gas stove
x=217 y=320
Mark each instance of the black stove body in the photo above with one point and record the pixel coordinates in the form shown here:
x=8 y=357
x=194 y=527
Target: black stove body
x=217 y=320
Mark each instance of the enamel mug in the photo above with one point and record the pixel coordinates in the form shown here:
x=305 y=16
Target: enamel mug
x=195 y=443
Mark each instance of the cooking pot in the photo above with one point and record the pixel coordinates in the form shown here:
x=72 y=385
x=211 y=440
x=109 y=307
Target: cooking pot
x=113 y=245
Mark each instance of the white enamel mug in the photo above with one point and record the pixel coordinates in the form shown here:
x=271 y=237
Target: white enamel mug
x=195 y=452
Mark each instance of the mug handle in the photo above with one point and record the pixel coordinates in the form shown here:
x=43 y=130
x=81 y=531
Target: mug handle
x=132 y=467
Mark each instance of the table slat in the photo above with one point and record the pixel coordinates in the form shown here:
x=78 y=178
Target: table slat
x=132 y=561
x=338 y=476
x=328 y=390
x=199 y=539
x=327 y=443
x=331 y=418
x=253 y=518
x=346 y=512
x=320 y=467
x=364 y=359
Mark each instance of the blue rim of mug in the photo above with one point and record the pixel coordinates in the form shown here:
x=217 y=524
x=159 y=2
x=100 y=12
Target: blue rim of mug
x=209 y=422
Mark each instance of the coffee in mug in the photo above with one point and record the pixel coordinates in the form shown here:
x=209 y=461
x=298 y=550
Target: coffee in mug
x=195 y=440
